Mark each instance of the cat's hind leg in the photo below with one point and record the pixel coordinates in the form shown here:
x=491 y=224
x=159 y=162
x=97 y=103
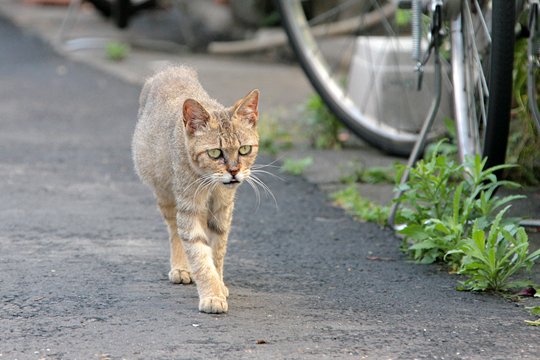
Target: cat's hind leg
x=180 y=271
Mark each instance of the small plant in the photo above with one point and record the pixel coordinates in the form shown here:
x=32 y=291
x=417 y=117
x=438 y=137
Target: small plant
x=491 y=258
x=427 y=193
x=371 y=175
x=441 y=204
x=116 y=51
x=296 y=167
x=535 y=310
x=365 y=210
x=324 y=128
x=434 y=239
x=452 y=214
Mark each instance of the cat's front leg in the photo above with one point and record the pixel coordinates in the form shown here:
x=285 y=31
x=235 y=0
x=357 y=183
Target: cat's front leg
x=203 y=270
x=219 y=223
x=220 y=213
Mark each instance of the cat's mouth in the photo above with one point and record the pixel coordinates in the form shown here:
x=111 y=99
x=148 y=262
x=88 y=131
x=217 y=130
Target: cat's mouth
x=231 y=182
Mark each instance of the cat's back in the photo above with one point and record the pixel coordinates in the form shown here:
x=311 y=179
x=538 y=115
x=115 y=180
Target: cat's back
x=163 y=95
x=160 y=107
x=167 y=90
x=161 y=102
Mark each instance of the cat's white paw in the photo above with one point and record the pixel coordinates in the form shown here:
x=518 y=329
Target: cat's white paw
x=213 y=305
x=178 y=276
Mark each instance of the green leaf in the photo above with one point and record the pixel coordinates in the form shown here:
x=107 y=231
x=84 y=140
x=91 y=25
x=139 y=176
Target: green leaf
x=535 y=255
x=414 y=231
x=498 y=203
x=535 y=310
x=533 y=323
x=429 y=258
x=452 y=252
x=424 y=245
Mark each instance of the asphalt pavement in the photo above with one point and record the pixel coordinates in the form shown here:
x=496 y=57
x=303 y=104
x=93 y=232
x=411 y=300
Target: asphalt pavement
x=84 y=253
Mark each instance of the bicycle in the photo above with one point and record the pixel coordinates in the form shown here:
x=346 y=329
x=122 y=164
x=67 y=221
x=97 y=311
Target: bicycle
x=480 y=37
x=471 y=39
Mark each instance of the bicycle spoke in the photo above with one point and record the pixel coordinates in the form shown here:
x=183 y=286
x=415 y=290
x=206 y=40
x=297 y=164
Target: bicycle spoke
x=474 y=50
x=482 y=97
x=388 y=27
x=331 y=13
x=482 y=20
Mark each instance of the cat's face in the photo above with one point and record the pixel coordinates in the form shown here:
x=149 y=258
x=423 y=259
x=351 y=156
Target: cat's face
x=223 y=145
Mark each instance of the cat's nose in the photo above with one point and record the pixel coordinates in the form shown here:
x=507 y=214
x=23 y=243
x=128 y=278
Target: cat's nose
x=233 y=170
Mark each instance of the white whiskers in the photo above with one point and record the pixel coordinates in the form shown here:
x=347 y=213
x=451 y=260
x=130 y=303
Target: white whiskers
x=209 y=182
x=255 y=182
x=256 y=168
x=261 y=166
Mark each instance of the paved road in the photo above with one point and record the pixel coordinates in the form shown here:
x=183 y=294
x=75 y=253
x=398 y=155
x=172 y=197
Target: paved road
x=84 y=253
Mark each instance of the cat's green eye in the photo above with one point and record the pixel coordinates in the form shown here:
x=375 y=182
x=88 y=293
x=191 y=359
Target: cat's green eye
x=244 y=150
x=214 y=153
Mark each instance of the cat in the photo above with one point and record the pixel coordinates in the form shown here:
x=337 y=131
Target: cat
x=194 y=153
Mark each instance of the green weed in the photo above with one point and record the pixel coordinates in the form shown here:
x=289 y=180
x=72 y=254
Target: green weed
x=323 y=127
x=296 y=167
x=535 y=310
x=491 y=258
x=364 y=209
x=451 y=214
x=371 y=175
x=441 y=204
x=116 y=51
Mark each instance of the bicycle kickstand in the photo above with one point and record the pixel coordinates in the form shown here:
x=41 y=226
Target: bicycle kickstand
x=436 y=39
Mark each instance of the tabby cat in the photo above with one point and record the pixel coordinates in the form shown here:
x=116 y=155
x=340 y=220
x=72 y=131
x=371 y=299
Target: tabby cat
x=193 y=153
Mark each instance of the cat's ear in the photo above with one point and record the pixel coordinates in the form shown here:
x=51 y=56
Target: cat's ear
x=247 y=109
x=195 y=116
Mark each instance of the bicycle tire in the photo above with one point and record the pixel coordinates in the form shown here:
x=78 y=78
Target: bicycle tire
x=502 y=64
x=379 y=135
x=489 y=133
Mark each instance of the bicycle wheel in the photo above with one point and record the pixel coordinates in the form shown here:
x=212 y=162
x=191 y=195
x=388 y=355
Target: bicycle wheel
x=357 y=56
x=482 y=62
